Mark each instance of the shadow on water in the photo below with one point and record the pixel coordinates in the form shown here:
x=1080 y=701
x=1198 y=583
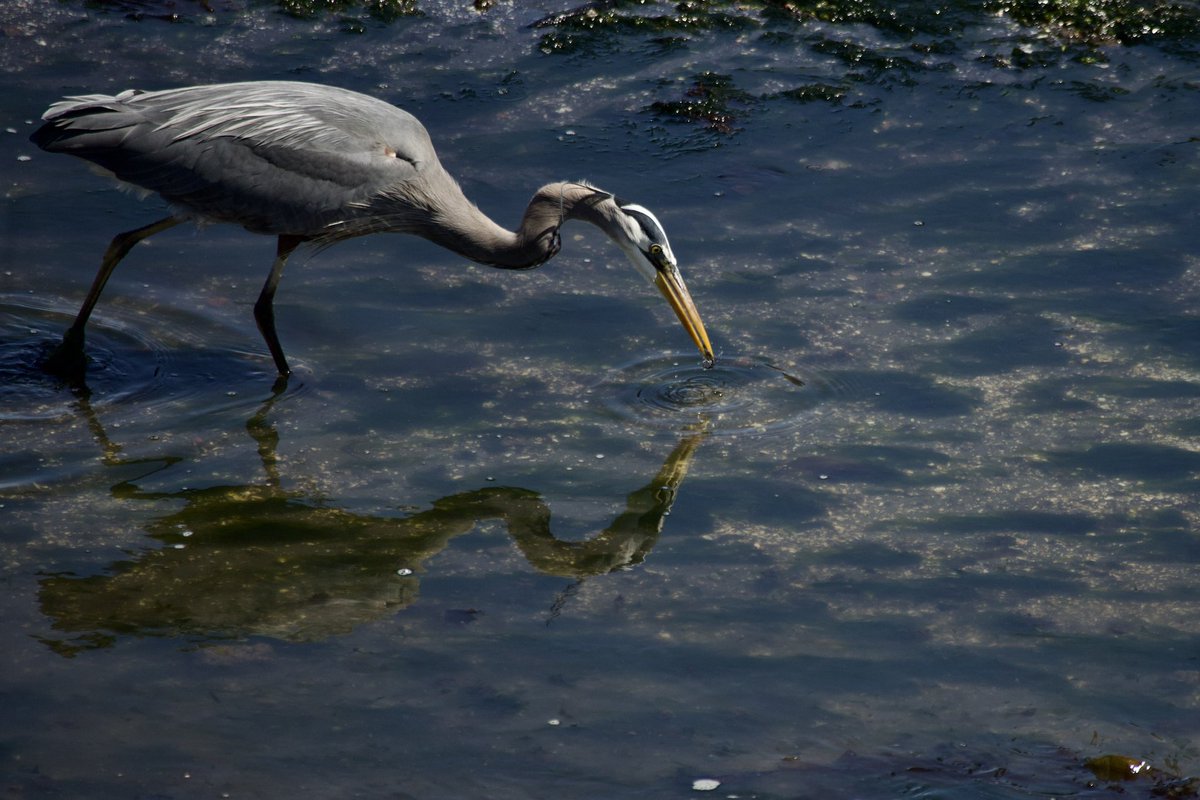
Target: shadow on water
x=1165 y=468
x=257 y=559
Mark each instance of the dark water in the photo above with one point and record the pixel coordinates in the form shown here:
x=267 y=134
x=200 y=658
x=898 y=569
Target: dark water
x=929 y=529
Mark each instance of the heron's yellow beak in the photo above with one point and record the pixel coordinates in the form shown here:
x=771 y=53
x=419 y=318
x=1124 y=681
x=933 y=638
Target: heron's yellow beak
x=670 y=283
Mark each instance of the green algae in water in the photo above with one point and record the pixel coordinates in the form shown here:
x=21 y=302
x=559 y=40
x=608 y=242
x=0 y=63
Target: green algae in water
x=712 y=99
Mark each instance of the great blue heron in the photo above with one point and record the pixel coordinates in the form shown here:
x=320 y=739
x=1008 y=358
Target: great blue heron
x=316 y=163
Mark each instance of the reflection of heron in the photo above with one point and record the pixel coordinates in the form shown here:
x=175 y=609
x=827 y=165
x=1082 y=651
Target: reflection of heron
x=316 y=163
x=260 y=559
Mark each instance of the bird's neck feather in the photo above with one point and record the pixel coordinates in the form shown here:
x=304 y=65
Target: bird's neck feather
x=463 y=228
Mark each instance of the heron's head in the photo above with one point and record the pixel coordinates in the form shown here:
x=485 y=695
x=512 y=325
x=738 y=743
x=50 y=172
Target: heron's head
x=641 y=237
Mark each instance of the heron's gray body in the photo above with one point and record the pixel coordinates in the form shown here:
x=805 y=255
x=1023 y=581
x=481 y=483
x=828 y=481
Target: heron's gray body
x=305 y=162
x=276 y=157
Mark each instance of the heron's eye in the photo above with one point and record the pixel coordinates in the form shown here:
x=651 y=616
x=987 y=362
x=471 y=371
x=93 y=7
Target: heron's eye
x=656 y=250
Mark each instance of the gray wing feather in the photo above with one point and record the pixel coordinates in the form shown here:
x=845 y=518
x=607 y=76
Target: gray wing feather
x=274 y=156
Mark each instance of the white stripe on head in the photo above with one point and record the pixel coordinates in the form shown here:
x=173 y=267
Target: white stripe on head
x=651 y=227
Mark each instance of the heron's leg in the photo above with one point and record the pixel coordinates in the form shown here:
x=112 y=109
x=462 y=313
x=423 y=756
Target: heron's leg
x=264 y=309
x=68 y=356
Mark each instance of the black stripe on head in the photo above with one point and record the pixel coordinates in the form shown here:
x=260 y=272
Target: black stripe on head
x=648 y=223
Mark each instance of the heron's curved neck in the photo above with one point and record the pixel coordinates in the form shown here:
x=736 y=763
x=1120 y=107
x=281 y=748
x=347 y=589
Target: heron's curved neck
x=471 y=233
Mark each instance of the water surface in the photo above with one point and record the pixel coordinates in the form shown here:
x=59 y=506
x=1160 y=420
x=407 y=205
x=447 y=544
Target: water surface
x=928 y=528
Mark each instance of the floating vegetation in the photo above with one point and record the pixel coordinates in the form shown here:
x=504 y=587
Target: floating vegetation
x=1166 y=782
x=1117 y=768
x=814 y=93
x=601 y=23
x=711 y=99
x=869 y=65
x=714 y=101
x=905 y=19
x=384 y=11
x=1091 y=22
x=917 y=37
x=1099 y=22
x=378 y=10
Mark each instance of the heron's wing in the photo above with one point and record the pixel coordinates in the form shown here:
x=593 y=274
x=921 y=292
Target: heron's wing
x=277 y=157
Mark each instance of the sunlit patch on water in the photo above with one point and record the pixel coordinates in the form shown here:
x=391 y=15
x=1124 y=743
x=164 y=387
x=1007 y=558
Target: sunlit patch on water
x=126 y=364
x=736 y=395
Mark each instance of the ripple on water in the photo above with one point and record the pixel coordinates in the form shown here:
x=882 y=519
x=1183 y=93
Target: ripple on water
x=126 y=363
x=736 y=395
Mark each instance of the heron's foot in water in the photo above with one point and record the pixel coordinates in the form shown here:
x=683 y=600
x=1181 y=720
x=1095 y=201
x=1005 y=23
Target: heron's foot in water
x=67 y=360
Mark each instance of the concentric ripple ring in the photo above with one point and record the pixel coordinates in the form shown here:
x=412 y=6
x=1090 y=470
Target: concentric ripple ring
x=736 y=395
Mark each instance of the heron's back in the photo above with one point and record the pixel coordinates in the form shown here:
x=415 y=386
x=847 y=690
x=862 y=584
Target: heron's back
x=274 y=156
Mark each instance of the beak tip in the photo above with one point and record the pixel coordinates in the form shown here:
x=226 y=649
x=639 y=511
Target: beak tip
x=674 y=289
